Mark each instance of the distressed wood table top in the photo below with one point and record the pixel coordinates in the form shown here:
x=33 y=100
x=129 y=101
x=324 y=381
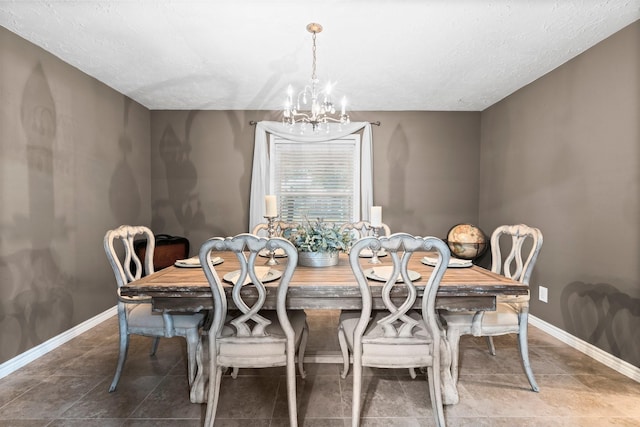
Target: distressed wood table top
x=186 y=289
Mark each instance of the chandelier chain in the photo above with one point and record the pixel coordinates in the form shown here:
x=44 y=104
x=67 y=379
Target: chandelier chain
x=313 y=70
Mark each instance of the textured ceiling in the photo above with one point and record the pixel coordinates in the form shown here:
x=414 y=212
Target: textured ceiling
x=453 y=55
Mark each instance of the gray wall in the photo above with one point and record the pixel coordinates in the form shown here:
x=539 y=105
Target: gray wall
x=562 y=154
x=74 y=161
x=426 y=171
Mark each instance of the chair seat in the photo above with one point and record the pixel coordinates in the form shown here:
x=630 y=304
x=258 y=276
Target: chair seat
x=142 y=317
x=502 y=321
x=376 y=349
x=258 y=352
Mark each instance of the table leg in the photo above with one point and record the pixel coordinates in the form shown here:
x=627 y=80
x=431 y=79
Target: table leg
x=449 y=388
x=199 y=387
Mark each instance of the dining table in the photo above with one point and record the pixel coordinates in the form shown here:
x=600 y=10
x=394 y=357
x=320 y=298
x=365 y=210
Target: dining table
x=185 y=289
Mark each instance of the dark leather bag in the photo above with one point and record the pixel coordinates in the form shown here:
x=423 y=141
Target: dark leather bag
x=168 y=250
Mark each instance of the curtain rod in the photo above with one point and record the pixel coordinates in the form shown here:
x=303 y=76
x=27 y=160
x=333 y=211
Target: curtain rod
x=253 y=123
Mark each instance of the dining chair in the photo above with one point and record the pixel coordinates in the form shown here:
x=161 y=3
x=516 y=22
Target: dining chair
x=396 y=336
x=252 y=336
x=362 y=229
x=135 y=315
x=512 y=313
x=262 y=228
x=359 y=230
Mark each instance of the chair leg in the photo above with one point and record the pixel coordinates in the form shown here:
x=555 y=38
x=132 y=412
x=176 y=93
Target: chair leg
x=492 y=348
x=122 y=356
x=344 y=347
x=234 y=372
x=302 y=348
x=154 y=345
x=357 y=391
x=524 y=351
x=412 y=373
x=214 y=395
x=435 y=390
x=453 y=336
x=291 y=390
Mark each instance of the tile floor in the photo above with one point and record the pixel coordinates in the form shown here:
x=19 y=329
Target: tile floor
x=68 y=387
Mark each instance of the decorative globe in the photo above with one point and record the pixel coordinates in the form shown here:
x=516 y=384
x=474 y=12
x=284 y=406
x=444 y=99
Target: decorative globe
x=466 y=241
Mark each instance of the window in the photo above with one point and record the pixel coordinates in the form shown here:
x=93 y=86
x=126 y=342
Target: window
x=316 y=179
x=263 y=172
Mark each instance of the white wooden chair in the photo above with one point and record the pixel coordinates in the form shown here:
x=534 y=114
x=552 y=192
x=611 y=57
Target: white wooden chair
x=358 y=230
x=362 y=229
x=262 y=228
x=396 y=336
x=511 y=315
x=252 y=337
x=134 y=314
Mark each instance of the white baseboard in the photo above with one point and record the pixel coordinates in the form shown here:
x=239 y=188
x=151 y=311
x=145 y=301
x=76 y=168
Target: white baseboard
x=28 y=356
x=625 y=368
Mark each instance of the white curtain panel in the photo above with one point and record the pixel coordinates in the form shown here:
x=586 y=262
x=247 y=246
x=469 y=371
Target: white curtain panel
x=260 y=173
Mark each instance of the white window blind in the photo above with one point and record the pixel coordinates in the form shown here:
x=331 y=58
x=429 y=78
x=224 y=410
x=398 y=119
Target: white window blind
x=316 y=179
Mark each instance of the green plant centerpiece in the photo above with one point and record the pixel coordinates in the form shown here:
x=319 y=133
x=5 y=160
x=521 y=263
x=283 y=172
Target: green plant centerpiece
x=319 y=243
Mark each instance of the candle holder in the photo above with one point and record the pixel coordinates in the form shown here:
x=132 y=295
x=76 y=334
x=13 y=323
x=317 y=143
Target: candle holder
x=271 y=229
x=374 y=252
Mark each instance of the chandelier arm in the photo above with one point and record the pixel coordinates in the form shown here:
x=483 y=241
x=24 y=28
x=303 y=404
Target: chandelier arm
x=301 y=117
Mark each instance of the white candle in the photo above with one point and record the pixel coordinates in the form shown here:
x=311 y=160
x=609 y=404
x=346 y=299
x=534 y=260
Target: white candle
x=376 y=216
x=271 y=206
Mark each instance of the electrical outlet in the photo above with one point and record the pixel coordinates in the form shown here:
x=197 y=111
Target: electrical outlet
x=543 y=293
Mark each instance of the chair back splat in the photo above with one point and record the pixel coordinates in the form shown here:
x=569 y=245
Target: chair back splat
x=130 y=266
x=262 y=229
x=362 y=229
x=515 y=266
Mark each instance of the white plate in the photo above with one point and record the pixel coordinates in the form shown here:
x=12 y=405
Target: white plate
x=279 y=253
x=268 y=275
x=194 y=262
x=367 y=253
x=453 y=262
x=382 y=274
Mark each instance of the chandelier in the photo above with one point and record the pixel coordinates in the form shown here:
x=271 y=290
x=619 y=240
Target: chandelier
x=313 y=105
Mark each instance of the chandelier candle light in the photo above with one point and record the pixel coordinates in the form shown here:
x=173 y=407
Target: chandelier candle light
x=318 y=104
